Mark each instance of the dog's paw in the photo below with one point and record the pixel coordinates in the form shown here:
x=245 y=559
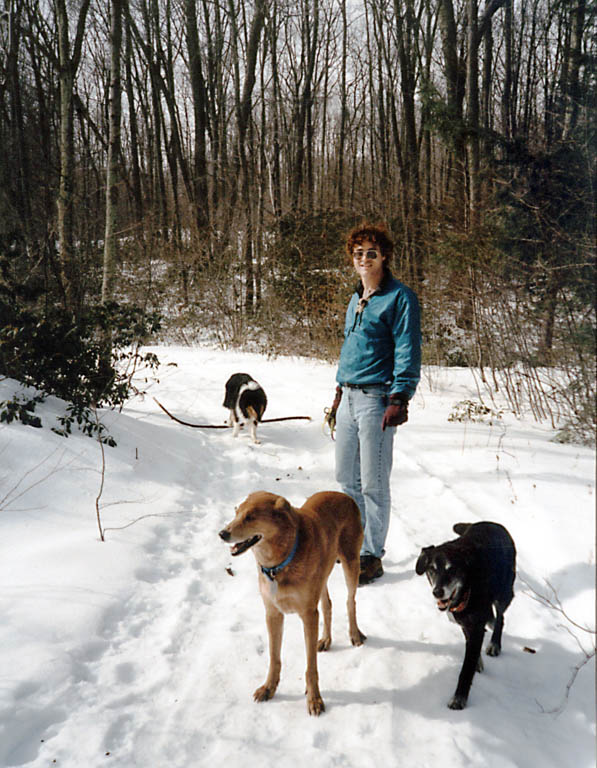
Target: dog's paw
x=493 y=649
x=264 y=693
x=457 y=702
x=324 y=644
x=315 y=705
x=358 y=638
x=480 y=666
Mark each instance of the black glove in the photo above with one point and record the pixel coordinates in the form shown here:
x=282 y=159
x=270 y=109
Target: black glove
x=396 y=413
x=330 y=413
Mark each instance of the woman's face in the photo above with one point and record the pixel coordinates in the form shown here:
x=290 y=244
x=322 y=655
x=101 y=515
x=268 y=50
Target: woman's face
x=369 y=269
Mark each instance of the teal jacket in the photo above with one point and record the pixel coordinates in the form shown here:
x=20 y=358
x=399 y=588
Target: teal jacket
x=382 y=343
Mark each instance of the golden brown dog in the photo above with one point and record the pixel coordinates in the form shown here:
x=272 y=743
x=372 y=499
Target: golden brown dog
x=296 y=550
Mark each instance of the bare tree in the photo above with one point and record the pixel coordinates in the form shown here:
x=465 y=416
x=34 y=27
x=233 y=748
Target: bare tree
x=198 y=90
x=309 y=30
x=114 y=152
x=243 y=99
x=69 y=59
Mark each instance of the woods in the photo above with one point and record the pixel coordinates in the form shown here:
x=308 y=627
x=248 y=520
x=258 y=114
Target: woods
x=203 y=160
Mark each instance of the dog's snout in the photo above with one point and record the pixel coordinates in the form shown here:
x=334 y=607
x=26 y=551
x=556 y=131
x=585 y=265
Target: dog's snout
x=224 y=535
x=438 y=592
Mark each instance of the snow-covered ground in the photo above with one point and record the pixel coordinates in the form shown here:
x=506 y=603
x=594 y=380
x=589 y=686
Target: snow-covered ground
x=144 y=650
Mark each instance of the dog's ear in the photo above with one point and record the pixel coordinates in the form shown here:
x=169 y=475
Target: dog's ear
x=461 y=528
x=423 y=561
x=281 y=505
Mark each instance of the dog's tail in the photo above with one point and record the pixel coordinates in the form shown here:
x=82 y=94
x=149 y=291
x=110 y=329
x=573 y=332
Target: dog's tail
x=461 y=528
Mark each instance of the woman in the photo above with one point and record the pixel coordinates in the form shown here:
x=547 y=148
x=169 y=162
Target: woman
x=378 y=373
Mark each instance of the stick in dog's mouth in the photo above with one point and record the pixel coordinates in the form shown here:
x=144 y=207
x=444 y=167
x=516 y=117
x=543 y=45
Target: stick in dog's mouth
x=242 y=546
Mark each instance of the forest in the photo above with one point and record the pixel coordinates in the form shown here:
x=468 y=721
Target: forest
x=188 y=169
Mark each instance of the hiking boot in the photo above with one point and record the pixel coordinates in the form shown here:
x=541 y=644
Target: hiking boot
x=371 y=568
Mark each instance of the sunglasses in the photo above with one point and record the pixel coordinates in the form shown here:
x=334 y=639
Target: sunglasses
x=370 y=254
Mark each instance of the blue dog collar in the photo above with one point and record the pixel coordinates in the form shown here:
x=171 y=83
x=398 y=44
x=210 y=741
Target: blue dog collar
x=271 y=573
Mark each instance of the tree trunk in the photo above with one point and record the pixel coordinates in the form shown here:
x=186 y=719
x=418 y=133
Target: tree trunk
x=310 y=38
x=472 y=98
x=16 y=122
x=137 y=193
x=243 y=112
x=112 y=175
x=455 y=79
x=343 y=107
x=276 y=182
x=507 y=87
x=575 y=54
x=477 y=29
x=407 y=35
x=68 y=66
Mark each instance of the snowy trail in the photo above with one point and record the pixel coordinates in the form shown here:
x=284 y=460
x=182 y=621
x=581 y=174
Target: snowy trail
x=161 y=671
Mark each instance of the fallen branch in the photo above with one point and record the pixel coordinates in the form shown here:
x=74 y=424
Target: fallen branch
x=554 y=603
x=103 y=477
x=12 y=495
x=136 y=520
x=224 y=426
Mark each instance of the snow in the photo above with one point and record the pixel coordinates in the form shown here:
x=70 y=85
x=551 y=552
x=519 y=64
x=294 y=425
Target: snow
x=144 y=650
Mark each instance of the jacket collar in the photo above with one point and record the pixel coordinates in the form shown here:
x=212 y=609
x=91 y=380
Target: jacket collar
x=385 y=280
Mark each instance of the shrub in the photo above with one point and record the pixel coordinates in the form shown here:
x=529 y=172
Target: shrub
x=88 y=361
x=469 y=410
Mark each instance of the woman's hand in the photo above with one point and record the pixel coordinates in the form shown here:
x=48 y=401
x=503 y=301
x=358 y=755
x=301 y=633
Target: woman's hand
x=396 y=413
x=330 y=413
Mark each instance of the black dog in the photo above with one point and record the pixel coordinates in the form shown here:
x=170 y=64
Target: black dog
x=244 y=399
x=470 y=576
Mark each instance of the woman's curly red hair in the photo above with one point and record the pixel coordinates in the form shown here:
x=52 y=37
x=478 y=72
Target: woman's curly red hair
x=375 y=233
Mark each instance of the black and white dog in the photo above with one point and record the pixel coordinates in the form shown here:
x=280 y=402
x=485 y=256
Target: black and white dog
x=471 y=577
x=245 y=399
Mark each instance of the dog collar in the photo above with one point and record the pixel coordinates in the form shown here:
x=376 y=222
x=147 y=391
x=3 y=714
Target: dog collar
x=462 y=605
x=271 y=573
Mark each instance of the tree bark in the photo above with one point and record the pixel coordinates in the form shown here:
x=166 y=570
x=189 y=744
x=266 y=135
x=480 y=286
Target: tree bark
x=572 y=95
x=343 y=107
x=243 y=113
x=310 y=39
x=137 y=193
x=17 y=126
x=198 y=89
x=507 y=87
x=472 y=98
x=407 y=38
x=112 y=166
x=276 y=173
x=455 y=81
x=68 y=65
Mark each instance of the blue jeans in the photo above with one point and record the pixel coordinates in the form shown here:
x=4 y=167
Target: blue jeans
x=364 y=460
